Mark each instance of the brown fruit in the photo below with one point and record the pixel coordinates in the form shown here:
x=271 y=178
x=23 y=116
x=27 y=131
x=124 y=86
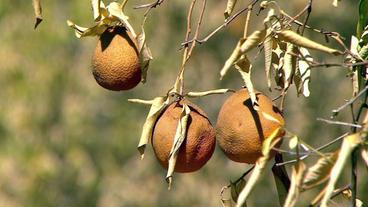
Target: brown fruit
x=240 y=130
x=199 y=144
x=115 y=62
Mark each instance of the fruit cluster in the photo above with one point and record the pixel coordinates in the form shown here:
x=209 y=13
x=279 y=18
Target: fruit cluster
x=240 y=129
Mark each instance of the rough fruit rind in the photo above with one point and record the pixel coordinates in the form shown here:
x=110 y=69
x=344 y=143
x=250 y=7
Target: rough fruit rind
x=240 y=130
x=115 y=63
x=199 y=144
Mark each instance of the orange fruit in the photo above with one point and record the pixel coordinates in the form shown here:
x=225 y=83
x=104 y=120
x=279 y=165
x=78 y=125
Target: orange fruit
x=241 y=130
x=199 y=144
x=115 y=63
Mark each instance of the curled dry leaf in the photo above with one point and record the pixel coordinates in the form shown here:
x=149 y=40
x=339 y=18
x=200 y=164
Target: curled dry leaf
x=226 y=202
x=107 y=16
x=229 y=8
x=364 y=154
x=157 y=104
x=348 y=145
x=244 y=67
x=232 y=59
x=267 y=45
x=253 y=40
x=297 y=177
x=320 y=171
x=296 y=39
x=38 y=12
x=96 y=9
x=268 y=144
x=85 y=32
x=236 y=188
x=206 y=93
x=335 y=3
x=302 y=73
x=293 y=142
x=180 y=135
x=145 y=54
x=289 y=64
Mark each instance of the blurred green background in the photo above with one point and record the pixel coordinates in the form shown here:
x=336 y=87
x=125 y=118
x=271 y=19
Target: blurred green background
x=65 y=141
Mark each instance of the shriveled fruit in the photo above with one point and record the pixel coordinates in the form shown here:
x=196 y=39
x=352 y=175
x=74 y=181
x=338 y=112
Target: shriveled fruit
x=199 y=144
x=241 y=130
x=115 y=63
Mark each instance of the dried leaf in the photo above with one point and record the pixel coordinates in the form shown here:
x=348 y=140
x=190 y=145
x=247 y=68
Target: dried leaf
x=267 y=45
x=236 y=188
x=206 y=93
x=320 y=172
x=116 y=12
x=289 y=65
x=304 y=69
x=253 y=40
x=96 y=9
x=296 y=39
x=268 y=144
x=297 y=177
x=232 y=59
x=293 y=142
x=364 y=154
x=244 y=67
x=355 y=77
x=145 y=54
x=38 y=12
x=335 y=3
x=180 y=135
x=84 y=32
x=158 y=104
x=318 y=198
x=229 y=8
x=226 y=203
x=349 y=143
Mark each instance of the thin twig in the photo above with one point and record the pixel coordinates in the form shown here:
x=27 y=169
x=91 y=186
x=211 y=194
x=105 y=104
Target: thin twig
x=340 y=123
x=319 y=148
x=227 y=22
x=351 y=101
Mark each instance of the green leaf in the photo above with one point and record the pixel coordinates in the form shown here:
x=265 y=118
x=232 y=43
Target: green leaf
x=363 y=17
x=348 y=145
x=180 y=135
